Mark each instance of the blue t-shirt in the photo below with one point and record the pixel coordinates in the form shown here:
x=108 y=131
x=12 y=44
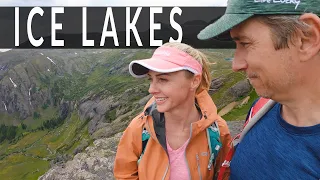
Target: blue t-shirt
x=274 y=149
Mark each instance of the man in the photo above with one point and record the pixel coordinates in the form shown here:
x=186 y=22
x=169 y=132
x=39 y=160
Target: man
x=278 y=47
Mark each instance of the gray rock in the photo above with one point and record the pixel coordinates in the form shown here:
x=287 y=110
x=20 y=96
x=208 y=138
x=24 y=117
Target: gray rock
x=96 y=163
x=216 y=84
x=63 y=110
x=240 y=89
x=95 y=110
x=81 y=147
x=235 y=127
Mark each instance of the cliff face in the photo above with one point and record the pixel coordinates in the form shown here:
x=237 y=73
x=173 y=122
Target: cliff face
x=26 y=77
x=31 y=79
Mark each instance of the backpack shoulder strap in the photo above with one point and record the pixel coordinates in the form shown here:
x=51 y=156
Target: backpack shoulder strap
x=145 y=138
x=259 y=104
x=259 y=109
x=255 y=108
x=213 y=137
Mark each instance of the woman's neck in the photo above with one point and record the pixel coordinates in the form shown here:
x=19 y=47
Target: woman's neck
x=181 y=118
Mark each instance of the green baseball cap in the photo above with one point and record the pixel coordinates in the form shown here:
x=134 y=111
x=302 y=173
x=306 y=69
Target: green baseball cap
x=240 y=10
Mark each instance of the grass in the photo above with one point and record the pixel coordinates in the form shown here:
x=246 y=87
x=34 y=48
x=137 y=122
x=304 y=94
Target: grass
x=221 y=97
x=39 y=150
x=241 y=112
x=111 y=115
x=8 y=119
x=74 y=146
x=77 y=86
x=80 y=135
x=45 y=115
x=19 y=166
x=3 y=147
x=28 y=160
x=62 y=135
x=27 y=140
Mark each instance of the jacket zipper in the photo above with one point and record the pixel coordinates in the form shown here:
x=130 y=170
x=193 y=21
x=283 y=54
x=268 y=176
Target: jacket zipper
x=199 y=170
x=165 y=173
x=148 y=127
x=185 y=152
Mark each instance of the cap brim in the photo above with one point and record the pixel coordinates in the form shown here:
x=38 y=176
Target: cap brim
x=140 y=68
x=222 y=25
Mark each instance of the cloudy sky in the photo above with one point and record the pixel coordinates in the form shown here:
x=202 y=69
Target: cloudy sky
x=180 y=3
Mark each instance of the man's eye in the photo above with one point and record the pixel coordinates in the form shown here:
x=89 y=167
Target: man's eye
x=163 y=80
x=244 y=44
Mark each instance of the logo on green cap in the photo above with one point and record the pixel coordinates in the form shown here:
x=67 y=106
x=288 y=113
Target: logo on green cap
x=295 y=2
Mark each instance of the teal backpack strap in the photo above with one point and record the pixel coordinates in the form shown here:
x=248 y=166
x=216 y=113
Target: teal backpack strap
x=145 y=138
x=213 y=136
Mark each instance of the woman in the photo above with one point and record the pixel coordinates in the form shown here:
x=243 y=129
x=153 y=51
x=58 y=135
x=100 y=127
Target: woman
x=169 y=139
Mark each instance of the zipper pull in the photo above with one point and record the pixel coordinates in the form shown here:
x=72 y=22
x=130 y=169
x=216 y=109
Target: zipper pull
x=212 y=157
x=214 y=129
x=210 y=161
x=205 y=115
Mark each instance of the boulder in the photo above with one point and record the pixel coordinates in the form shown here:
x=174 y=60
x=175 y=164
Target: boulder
x=216 y=84
x=240 y=89
x=95 y=163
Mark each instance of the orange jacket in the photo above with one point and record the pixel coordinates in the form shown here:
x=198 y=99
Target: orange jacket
x=154 y=164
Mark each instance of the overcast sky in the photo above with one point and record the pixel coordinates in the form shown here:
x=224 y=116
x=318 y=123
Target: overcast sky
x=180 y=3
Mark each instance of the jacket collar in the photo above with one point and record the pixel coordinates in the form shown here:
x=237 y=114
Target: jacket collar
x=157 y=125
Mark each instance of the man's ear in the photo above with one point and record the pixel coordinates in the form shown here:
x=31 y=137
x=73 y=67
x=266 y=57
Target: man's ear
x=195 y=82
x=309 y=44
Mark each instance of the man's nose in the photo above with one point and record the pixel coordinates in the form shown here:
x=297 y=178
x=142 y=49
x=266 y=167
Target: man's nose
x=239 y=62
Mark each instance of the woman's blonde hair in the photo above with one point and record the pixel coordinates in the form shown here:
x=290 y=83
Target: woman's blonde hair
x=201 y=58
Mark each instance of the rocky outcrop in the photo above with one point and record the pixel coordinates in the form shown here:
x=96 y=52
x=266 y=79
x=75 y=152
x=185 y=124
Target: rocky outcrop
x=95 y=110
x=64 y=110
x=216 y=84
x=22 y=98
x=103 y=110
x=240 y=89
x=95 y=163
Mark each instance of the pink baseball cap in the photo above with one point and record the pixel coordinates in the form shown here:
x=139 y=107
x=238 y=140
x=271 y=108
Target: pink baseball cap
x=165 y=60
